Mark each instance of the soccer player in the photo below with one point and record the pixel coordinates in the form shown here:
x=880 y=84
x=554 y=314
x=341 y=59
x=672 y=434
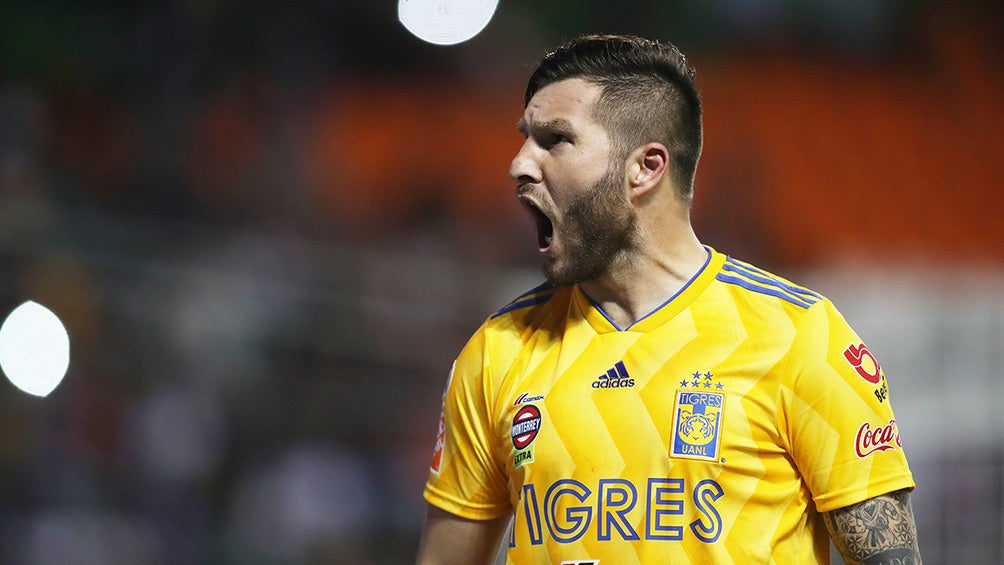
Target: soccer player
x=655 y=401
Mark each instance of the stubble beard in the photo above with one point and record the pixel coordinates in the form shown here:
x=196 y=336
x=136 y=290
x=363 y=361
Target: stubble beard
x=598 y=229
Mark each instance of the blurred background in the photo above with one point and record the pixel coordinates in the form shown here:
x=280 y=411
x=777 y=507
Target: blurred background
x=269 y=227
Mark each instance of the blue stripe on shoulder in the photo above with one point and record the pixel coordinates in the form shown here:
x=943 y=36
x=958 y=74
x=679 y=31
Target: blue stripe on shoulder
x=539 y=288
x=756 y=280
x=761 y=289
x=733 y=264
x=537 y=295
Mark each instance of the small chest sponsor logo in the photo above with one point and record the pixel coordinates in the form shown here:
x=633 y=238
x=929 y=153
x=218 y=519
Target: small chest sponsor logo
x=526 y=398
x=615 y=377
x=697 y=424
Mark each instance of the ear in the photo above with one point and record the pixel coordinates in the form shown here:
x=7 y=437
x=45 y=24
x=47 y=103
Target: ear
x=647 y=166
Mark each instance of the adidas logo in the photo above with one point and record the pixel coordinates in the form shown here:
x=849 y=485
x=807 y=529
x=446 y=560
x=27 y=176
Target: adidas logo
x=616 y=377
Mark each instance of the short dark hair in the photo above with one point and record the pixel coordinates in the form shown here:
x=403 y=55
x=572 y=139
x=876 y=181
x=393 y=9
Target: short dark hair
x=648 y=94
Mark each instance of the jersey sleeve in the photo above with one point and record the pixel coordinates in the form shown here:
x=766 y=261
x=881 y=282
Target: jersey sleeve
x=837 y=415
x=466 y=478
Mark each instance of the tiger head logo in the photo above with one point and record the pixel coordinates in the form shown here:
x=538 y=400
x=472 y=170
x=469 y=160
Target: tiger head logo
x=697 y=428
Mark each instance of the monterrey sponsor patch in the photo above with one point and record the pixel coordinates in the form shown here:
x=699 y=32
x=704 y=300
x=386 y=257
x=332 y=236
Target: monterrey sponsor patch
x=871 y=440
x=525 y=427
x=697 y=424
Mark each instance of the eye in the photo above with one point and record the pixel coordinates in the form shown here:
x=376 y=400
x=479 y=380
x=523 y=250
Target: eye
x=554 y=139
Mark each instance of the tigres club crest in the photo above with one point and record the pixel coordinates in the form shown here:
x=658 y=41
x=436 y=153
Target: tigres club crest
x=697 y=424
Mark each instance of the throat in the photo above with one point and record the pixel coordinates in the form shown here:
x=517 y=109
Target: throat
x=623 y=310
x=636 y=294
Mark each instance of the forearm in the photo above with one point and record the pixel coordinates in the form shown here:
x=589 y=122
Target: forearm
x=877 y=531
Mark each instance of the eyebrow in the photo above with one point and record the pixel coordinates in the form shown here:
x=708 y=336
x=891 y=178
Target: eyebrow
x=557 y=124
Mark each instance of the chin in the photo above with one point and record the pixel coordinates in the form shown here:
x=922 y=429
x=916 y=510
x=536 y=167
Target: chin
x=555 y=276
x=560 y=277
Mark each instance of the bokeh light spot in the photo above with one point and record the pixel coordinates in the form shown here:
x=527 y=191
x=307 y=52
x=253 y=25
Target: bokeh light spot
x=445 y=22
x=34 y=349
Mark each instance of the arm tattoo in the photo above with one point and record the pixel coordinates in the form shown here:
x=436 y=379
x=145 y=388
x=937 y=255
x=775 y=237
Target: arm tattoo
x=878 y=531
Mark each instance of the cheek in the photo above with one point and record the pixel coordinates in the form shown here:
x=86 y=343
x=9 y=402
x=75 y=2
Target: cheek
x=565 y=183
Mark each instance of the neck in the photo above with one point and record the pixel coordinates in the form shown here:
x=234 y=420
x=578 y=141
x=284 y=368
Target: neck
x=638 y=283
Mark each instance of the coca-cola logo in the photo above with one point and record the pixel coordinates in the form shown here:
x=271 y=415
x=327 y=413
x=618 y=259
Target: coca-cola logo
x=881 y=438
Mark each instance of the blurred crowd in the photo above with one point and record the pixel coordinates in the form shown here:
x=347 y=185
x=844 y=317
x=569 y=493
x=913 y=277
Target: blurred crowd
x=269 y=227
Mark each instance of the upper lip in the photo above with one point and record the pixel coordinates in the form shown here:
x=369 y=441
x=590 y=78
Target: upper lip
x=526 y=195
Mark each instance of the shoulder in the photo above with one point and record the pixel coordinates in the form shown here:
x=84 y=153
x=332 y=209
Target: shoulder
x=809 y=327
x=528 y=321
x=753 y=284
x=520 y=323
x=536 y=296
x=771 y=304
x=534 y=308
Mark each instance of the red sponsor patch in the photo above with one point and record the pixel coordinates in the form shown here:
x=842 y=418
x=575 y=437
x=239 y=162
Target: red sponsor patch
x=525 y=425
x=870 y=440
x=437 y=454
x=864 y=363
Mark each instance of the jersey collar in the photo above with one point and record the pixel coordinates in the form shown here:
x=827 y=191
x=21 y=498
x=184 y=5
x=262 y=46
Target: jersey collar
x=666 y=311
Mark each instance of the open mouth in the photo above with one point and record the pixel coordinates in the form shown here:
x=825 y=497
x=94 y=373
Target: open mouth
x=545 y=228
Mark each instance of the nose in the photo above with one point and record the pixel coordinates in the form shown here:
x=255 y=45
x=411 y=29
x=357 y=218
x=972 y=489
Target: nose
x=524 y=167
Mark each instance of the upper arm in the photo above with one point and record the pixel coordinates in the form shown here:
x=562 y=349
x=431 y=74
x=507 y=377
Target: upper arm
x=448 y=539
x=876 y=530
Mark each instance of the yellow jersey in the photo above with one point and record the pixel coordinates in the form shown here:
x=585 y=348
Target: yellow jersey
x=714 y=430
